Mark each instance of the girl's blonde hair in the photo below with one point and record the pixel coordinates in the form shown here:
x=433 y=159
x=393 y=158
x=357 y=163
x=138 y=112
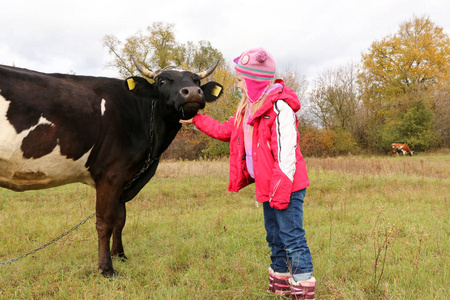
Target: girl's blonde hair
x=241 y=109
x=243 y=105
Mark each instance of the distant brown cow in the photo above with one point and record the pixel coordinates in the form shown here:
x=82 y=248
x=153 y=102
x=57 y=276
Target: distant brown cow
x=404 y=148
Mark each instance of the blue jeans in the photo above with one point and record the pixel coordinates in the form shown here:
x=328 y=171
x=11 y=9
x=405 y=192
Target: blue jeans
x=286 y=238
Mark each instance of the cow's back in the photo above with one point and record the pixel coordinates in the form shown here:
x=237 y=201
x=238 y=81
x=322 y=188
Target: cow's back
x=49 y=124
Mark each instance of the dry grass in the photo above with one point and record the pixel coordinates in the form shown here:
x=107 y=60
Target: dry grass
x=377 y=228
x=172 y=168
x=420 y=166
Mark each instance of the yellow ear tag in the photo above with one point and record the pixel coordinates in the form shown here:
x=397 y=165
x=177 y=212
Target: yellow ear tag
x=216 y=91
x=131 y=84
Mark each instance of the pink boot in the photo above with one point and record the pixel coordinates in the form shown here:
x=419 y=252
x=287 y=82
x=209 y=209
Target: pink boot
x=279 y=282
x=303 y=289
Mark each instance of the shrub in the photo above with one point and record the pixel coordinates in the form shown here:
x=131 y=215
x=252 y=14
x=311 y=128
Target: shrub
x=216 y=149
x=188 y=144
x=326 y=142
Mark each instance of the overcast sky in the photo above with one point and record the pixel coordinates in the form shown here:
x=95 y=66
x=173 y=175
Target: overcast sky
x=310 y=35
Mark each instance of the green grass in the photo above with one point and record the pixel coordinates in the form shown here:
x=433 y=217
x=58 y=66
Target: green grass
x=378 y=228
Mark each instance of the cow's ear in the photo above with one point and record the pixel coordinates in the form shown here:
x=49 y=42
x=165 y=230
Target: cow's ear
x=138 y=86
x=212 y=91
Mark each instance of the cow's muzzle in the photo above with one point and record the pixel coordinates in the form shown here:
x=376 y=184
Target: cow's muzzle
x=191 y=95
x=193 y=101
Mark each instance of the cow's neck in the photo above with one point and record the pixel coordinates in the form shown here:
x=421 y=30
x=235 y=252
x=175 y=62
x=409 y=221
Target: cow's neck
x=162 y=130
x=161 y=133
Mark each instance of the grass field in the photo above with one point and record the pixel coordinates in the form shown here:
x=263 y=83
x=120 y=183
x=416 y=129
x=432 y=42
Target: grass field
x=378 y=228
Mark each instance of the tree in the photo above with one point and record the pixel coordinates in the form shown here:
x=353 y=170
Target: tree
x=417 y=56
x=299 y=84
x=157 y=48
x=333 y=98
x=295 y=81
x=415 y=127
x=399 y=71
x=442 y=110
x=154 y=49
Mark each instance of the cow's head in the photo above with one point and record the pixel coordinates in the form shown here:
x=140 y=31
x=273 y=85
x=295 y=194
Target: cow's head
x=178 y=91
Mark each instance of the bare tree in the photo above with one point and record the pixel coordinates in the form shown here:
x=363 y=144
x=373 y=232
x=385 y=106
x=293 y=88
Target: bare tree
x=295 y=81
x=334 y=99
x=299 y=84
x=442 y=111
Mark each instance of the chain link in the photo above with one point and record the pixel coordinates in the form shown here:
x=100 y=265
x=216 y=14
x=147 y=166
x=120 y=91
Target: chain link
x=49 y=243
x=148 y=162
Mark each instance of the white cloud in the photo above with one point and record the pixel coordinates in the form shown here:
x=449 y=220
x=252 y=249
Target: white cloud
x=64 y=36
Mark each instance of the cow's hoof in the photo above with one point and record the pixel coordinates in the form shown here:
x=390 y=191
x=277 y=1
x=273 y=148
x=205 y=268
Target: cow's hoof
x=120 y=257
x=108 y=273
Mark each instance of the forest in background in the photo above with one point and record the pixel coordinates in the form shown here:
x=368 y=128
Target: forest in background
x=399 y=91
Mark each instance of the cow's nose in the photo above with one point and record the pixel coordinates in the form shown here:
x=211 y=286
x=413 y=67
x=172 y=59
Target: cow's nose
x=191 y=91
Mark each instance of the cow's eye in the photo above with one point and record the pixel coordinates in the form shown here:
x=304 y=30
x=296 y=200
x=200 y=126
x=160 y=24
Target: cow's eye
x=162 y=81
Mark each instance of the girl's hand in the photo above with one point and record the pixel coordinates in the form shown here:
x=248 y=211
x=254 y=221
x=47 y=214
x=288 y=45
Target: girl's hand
x=186 y=122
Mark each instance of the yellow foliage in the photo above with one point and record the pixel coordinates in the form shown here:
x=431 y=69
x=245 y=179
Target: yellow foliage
x=417 y=56
x=225 y=106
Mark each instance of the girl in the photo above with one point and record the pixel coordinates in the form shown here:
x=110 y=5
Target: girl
x=264 y=150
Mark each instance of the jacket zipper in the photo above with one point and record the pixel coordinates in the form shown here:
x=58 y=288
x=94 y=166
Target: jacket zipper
x=274 y=190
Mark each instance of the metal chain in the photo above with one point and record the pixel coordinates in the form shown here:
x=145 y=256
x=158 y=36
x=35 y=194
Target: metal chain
x=49 y=243
x=148 y=162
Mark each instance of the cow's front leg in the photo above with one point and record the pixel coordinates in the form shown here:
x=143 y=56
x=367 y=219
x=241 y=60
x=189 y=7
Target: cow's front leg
x=117 y=246
x=107 y=209
x=104 y=230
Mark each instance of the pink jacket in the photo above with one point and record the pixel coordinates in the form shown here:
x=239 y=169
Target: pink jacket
x=278 y=164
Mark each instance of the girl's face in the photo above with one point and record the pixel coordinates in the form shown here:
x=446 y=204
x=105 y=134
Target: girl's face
x=241 y=83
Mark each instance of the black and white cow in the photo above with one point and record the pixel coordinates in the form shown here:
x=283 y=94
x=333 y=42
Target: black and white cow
x=108 y=133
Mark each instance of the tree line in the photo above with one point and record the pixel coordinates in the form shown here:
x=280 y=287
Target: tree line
x=399 y=91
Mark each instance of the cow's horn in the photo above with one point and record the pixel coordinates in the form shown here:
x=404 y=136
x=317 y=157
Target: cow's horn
x=206 y=73
x=144 y=71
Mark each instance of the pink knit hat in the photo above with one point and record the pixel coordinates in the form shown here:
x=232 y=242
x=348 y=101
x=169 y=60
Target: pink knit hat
x=257 y=68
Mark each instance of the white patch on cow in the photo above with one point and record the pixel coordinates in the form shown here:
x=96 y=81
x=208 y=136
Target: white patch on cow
x=103 y=106
x=51 y=170
x=42 y=120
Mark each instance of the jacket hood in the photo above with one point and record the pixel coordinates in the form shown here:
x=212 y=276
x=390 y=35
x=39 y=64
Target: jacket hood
x=279 y=92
